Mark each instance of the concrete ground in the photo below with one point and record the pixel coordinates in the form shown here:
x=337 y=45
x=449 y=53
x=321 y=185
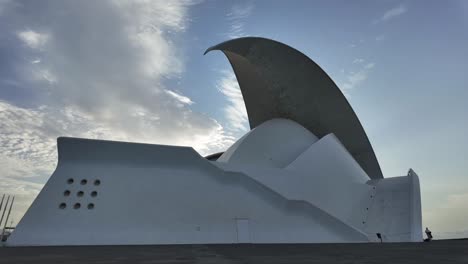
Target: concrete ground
x=444 y=251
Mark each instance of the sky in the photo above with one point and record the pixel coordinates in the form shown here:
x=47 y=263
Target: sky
x=135 y=71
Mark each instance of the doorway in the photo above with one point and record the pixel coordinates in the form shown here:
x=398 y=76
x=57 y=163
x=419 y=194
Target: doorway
x=243 y=232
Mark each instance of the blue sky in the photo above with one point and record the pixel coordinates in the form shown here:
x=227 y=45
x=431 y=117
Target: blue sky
x=135 y=71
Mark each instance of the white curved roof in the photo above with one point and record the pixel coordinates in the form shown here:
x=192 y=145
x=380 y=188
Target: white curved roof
x=278 y=81
x=275 y=143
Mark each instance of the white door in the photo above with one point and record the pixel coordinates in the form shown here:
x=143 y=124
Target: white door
x=243 y=233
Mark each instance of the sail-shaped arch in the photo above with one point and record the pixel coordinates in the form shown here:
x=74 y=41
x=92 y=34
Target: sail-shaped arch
x=278 y=81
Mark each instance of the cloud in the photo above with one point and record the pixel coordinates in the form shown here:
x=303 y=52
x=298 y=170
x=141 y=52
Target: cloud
x=392 y=13
x=28 y=149
x=33 y=39
x=29 y=135
x=369 y=66
x=355 y=78
x=114 y=68
x=236 y=18
x=179 y=97
x=235 y=111
x=380 y=37
x=358 y=60
x=95 y=70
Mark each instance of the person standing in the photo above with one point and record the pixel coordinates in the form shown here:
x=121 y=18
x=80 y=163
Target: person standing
x=428 y=234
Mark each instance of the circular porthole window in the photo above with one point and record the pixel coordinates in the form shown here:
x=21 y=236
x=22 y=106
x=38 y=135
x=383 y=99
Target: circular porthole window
x=93 y=194
x=97 y=182
x=91 y=206
x=77 y=206
x=63 y=206
x=70 y=181
x=80 y=194
x=83 y=182
x=66 y=193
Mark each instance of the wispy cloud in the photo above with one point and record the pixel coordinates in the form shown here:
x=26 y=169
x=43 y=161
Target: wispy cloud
x=182 y=99
x=354 y=78
x=392 y=13
x=358 y=60
x=235 y=111
x=237 y=17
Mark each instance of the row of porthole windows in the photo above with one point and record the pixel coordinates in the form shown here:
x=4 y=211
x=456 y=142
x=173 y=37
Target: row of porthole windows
x=83 y=181
x=79 y=193
x=367 y=208
x=76 y=206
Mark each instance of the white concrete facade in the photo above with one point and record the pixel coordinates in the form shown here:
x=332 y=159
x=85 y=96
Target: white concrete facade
x=153 y=194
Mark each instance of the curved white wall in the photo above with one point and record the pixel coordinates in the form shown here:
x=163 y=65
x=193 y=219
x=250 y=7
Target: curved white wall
x=275 y=143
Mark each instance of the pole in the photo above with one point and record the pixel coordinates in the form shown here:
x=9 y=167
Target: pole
x=1 y=203
x=8 y=216
x=4 y=210
x=9 y=212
